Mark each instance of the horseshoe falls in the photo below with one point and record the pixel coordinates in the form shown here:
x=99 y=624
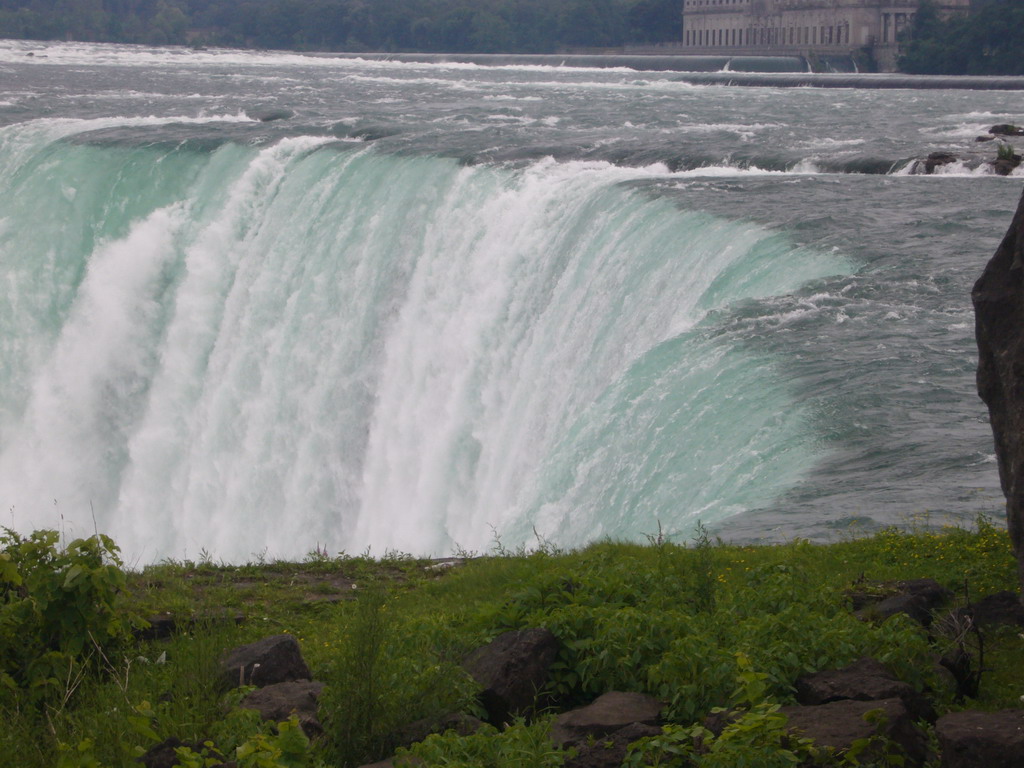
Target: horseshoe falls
x=443 y=307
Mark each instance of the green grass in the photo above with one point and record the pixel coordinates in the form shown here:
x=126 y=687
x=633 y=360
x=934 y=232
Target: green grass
x=703 y=626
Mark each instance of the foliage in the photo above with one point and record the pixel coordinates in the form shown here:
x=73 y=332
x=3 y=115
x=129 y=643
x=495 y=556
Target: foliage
x=388 y=673
x=281 y=746
x=756 y=738
x=703 y=626
x=985 y=42
x=525 y=26
x=522 y=744
x=248 y=743
x=58 y=610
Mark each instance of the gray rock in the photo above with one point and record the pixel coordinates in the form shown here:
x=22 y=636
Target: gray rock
x=280 y=701
x=1001 y=608
x=918 y=598
x=841 y=723
x=270 y=115
x=162 y=755
x=998 y=298
x=274 y=659
x=460 y=722
x=981 y=739
x=165 y=625
x=1005 y=129
x=513 y=671
x=1004 y=166
x=937 y=159
x=864 y=680
x=607 y=713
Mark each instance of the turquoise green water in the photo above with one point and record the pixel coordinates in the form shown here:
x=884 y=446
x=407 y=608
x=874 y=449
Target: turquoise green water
x=444 y=303
x=330 y=345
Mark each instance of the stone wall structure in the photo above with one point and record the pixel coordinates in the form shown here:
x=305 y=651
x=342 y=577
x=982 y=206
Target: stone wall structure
x=801 y=27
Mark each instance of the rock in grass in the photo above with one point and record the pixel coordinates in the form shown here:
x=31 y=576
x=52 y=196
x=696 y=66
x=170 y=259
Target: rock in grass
x=606 y=714
x=280 y=701
x=918 y=598
x=460 y=722
x=982 y=739
x=513 y=671
x=841 y=724
x=275 y=659
x=609 y=751
x=1001 y=608
x=163 y=755
x=864 y=680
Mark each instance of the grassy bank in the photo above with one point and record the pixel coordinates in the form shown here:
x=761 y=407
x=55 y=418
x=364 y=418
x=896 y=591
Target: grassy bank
x=699 y=626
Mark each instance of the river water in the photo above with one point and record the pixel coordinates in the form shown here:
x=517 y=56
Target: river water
x=436 y=306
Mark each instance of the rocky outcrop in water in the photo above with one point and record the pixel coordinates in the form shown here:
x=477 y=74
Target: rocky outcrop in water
x=998 y=298
x=1005 y=129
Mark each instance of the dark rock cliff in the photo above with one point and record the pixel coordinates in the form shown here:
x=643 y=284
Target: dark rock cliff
x=999 y=327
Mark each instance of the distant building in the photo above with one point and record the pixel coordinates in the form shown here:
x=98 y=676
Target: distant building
x=801 y=27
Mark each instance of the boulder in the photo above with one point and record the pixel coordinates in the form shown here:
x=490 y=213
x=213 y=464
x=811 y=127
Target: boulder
x=280 y=701
x=917 y=598
x=999 y=608
x=864 y=680
x=513 y=671
x=269 y=115
x=162 y=755
x=159 y=627
x=610 y=751
x=841 y=723
x=1004 y=166
x=913 y=606
x=938 y=159
x=606 y=714
x=1005 y=129
x=981 y=739
x=162 y=626
x=998 y=298
x=274 y=659
x=460 y=722
x=960 y=666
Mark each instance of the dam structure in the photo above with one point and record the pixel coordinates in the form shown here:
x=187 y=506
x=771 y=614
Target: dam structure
x=812 y=29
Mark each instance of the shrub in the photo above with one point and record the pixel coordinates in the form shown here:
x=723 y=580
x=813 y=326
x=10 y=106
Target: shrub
x=58 y=609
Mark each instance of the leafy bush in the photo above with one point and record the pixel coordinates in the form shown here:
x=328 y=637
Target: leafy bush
x=520 y=744
x=59 y=609
x=984 y=42
x=757 y=738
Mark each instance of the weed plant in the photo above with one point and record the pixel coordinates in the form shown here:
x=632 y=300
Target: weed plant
x=701 y=626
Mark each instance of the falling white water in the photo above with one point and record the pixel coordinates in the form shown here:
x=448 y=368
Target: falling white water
x=273 y=349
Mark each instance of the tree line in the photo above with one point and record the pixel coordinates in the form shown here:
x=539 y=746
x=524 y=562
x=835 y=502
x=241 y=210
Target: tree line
x=988 y=41
x=484 y=26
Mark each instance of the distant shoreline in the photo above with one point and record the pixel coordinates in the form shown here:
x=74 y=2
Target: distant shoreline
x=771 y=71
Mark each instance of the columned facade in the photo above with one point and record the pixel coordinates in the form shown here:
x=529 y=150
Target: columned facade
x=798 y=26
